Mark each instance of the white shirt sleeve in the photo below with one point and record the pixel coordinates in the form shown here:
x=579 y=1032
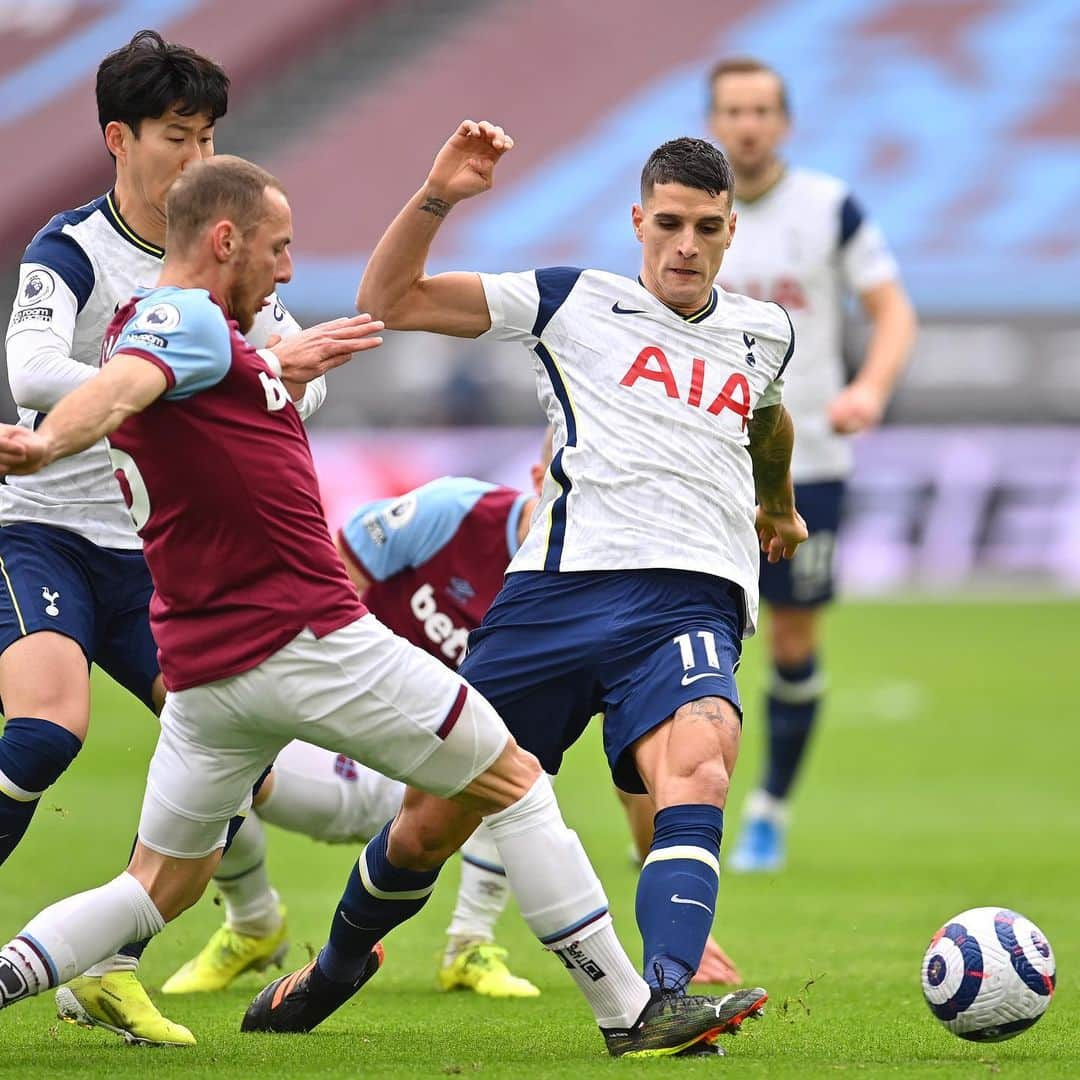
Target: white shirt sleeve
x=40 y=367
x=513 y=303
x=314 y=396
x=773 y=394
x=275 y=319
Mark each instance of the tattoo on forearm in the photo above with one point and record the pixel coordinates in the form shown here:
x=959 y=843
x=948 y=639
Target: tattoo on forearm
x=439 y=207
x=771 y=440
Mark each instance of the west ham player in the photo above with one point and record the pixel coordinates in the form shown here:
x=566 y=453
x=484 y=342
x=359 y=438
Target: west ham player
x=428 y=565
x=74 y=587
x=639 y=576
x=804 y=241
x=262 y=640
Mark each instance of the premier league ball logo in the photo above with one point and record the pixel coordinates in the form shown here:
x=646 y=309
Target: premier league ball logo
x=37 y=288
x=160 y=317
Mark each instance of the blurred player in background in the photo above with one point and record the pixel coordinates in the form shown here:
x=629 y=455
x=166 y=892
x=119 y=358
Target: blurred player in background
x=638 y=578
x=75 y=588
x=805 y=242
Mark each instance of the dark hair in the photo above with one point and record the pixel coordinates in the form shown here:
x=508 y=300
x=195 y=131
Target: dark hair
x=148 y=76
x=692 y=162
x=747 y=65
x=221 y=187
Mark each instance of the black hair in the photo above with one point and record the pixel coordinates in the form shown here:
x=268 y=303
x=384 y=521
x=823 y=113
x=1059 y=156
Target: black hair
x=694 y=163
x=148 y=76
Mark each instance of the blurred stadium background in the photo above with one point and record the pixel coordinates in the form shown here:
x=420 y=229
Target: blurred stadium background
x=957 y=123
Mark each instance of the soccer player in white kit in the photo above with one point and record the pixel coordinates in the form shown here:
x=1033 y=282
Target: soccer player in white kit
x=805 y=242
x=263 y=639
x=74 y=587
x=638 y=578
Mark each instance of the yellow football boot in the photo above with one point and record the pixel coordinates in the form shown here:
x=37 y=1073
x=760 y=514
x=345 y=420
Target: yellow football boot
x=118 y=1003
x=226 y=955
x=481 y=967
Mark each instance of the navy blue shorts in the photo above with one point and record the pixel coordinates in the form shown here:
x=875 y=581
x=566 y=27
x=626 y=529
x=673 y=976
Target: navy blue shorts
x=557 y=648
x=807 y=580
x=54 y=579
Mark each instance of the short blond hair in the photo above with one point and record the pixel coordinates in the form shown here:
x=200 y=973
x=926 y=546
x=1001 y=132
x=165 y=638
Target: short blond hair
x=221 y=187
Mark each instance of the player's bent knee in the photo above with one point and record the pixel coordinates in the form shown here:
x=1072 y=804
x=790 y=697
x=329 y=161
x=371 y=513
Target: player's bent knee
x=46 y=675
x=710 y=781
x=427 y=831
x=505 y=781
x=706 y=784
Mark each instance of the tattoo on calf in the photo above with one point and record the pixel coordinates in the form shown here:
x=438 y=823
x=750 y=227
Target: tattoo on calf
x=439 y=207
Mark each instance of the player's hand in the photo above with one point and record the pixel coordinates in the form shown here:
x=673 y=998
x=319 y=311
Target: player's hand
x=313 y=352
x=780 y=534
x=22 y=451
x=856 y=408
x=465 y=164
x=716 y=966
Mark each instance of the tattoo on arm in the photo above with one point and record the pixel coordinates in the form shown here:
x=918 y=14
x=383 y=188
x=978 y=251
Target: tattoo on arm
x=439 y=207
x=771 y=439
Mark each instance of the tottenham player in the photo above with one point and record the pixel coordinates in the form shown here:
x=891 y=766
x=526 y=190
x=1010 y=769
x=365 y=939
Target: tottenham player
x=74 y=588
x=805 y=242
x=263 y=639
x=428 y=565
x=639 y=576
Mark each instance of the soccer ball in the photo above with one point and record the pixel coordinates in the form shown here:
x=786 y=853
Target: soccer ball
x=988 y=974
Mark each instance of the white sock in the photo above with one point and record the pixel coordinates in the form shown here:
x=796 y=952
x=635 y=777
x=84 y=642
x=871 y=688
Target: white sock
x=71 y=935
x=482 y=895
x=564 y=904
x=760 y=804
x=251 y=905
x=114 y=963
x=304 y=803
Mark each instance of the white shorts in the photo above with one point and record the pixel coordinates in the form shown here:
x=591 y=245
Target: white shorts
x=360 y=691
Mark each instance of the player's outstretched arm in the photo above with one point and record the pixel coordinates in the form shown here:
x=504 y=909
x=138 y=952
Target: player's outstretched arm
x=780 y=527
x=394 y=287
x=306 y=355
x=125 y=386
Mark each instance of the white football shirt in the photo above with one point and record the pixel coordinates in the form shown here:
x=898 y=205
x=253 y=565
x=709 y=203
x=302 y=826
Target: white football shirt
x=650 y=413
x=806 y=244
x=76 y=273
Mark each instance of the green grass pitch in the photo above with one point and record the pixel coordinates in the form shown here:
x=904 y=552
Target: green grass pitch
x=944 y=777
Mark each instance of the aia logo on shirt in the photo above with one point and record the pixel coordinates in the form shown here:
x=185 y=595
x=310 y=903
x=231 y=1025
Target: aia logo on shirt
x=652 y=366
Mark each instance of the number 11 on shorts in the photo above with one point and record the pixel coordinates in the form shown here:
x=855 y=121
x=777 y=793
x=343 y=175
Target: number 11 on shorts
x=685 y=644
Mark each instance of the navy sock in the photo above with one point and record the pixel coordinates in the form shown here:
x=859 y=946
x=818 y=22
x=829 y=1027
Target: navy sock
x=33 y=755
x=793 y=704
x=134 y=948
x=377 y=897
x=676 y=894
